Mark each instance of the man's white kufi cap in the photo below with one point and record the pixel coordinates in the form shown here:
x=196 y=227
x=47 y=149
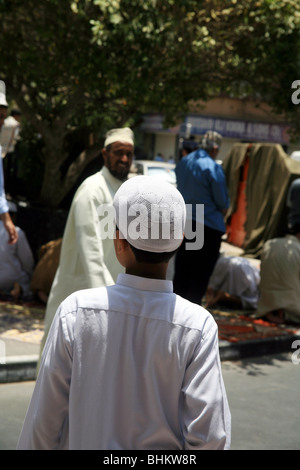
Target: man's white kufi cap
x=3 y=101
x=150 y=214
x=123 y=134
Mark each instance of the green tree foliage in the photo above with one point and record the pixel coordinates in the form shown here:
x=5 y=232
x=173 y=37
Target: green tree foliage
x=79 y=67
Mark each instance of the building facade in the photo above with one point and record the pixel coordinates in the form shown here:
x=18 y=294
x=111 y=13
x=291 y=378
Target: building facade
x=235 y=119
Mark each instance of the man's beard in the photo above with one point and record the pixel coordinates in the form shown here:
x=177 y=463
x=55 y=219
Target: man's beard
x=119 y=174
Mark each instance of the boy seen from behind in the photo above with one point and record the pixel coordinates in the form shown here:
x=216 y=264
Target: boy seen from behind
x=132 y=366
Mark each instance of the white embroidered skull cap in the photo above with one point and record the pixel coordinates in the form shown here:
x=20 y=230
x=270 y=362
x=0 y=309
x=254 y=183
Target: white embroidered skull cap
x=150 y=214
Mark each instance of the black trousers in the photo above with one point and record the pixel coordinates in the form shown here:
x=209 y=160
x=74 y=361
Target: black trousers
x=193 y=268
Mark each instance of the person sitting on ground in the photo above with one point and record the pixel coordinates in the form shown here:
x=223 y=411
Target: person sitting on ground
x=4 y=212
x=234 y=283
x=279 y=300
x=132 y=366
x=16 y=262
x=280 y=268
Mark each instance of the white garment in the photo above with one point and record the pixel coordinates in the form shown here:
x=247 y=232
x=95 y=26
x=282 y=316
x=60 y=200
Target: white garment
x=132 y=366
x=280 y=277
x=16 y=262
x=9 y=135
x=86 y=260
x=238 y=277
x=3 y=201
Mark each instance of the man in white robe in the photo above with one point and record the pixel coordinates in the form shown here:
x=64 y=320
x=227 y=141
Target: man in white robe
x=86 y=259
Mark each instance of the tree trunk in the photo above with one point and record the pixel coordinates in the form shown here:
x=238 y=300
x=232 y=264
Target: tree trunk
x=51 y=185
x=54 y=187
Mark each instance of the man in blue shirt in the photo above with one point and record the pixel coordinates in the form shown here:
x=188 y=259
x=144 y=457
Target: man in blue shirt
x=201 y=180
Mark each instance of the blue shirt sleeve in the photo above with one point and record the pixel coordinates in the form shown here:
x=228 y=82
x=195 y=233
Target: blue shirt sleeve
x=219 y=188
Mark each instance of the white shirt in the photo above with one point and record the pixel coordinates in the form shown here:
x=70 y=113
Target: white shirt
x=238 y=277
x=86 y=260
x=3 y=201
x=9 y=135
x=132 y=366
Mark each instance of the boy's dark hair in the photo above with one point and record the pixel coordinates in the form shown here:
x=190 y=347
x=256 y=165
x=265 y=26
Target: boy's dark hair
x=142 y=256
x=295 y=229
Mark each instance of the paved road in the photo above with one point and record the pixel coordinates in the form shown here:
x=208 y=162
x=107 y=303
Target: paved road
x=263 y=394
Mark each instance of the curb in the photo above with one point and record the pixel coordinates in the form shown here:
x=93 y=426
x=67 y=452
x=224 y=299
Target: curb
x=19 y=369
x=254 y=348
x=23 y=368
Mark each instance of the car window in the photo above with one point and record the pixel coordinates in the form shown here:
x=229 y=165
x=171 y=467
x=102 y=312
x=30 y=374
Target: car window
x=167 y=174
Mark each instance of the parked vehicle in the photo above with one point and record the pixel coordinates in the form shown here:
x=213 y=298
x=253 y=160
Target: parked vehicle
x=163 y=170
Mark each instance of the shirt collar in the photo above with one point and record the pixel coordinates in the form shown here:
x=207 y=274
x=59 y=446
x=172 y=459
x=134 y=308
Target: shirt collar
x=112 y=181
x=292 y=237
x=143 y=283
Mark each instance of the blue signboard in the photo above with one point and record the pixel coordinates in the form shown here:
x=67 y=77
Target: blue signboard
x=231 y=128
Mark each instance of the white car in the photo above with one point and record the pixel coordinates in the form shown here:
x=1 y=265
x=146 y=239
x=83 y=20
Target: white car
x=296 y=156
x=163 y=170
